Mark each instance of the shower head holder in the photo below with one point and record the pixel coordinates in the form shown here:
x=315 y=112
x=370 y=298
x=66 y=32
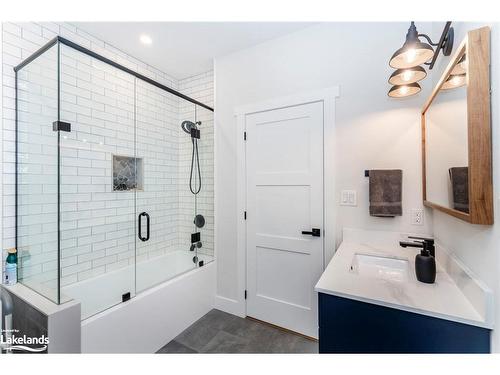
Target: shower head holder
x=195 y=133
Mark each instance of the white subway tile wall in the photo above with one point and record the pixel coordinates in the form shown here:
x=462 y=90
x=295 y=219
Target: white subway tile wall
x=111 y=113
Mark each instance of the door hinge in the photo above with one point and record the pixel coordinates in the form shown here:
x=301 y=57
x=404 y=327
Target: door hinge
x=245 y=294
x=244 y=136
x=245 y=215
x=62 y=126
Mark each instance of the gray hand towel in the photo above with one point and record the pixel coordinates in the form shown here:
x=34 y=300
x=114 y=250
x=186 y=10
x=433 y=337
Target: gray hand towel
x=386 y=188
x=459 y=177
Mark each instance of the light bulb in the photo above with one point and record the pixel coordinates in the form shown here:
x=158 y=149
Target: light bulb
x=411 y=54
x=403 y=90
x=455 y=80
x=407 y=75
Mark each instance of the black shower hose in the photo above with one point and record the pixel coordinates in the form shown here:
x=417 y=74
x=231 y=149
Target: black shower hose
x=195 y=150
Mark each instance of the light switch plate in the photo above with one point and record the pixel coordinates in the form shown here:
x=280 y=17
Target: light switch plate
x=348 y=198
x=417 y=216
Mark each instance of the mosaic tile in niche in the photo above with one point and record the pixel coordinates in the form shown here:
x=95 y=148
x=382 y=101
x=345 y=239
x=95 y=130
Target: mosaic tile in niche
x=127 y=173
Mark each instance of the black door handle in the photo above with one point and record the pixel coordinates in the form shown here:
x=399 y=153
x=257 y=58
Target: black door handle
x=147 y=226
x=315 y=232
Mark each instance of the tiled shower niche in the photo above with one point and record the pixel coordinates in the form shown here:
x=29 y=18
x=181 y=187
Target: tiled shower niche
x=127 y=173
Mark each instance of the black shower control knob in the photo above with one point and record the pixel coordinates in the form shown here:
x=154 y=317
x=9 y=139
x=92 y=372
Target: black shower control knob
x=199 y=245
x=199 y=221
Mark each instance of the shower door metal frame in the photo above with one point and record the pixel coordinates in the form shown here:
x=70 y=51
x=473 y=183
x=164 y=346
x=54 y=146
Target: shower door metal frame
x=95 y=55
x=58 y=40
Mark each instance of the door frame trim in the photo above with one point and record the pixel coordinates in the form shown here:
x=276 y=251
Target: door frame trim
x=327 y=96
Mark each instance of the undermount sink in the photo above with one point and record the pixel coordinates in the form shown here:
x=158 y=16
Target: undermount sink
x=380 y=267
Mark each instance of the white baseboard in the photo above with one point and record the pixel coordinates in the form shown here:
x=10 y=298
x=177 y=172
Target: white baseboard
x=230 y=306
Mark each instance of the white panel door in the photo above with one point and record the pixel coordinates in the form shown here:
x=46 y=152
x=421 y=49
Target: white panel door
x=284 y=151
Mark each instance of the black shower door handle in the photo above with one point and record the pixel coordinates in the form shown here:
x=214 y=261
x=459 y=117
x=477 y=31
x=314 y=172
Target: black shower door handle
x=147 y=226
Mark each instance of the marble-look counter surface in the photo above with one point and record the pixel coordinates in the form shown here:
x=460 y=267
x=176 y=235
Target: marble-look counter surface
x=443 y=299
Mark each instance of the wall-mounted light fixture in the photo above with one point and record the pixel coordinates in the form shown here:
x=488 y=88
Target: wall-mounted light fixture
x=454 y=81
x=400 y=91
x=405 y=76
x=411 y=55
x=461 y=67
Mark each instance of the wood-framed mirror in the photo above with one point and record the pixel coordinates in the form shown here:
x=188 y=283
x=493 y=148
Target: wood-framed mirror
x=456 y=135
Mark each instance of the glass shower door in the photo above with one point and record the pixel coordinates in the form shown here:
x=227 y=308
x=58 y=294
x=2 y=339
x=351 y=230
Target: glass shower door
x=99 y=177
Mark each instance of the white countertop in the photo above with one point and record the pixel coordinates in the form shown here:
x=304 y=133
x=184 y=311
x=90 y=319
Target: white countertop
x=443 y=299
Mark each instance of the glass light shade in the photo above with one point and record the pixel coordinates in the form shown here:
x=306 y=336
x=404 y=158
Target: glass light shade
x=410 y=55
x=405 y=76
x=401 y=91
x=454 y=81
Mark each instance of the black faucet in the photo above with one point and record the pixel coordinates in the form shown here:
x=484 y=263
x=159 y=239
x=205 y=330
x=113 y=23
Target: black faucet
x=424 y=243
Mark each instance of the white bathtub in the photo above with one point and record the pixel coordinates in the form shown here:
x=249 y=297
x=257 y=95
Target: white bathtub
x=104 y=291
x=158 y=312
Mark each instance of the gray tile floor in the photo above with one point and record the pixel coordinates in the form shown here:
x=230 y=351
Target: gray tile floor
x=219 y=332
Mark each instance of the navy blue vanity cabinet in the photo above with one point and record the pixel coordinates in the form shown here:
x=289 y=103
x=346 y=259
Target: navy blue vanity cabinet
x=349 y=326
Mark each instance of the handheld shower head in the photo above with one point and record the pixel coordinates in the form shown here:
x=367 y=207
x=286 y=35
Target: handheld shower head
x=191 y=128
x=188 y=125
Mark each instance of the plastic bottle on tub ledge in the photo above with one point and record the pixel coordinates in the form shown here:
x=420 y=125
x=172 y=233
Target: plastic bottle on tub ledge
x=11 y=267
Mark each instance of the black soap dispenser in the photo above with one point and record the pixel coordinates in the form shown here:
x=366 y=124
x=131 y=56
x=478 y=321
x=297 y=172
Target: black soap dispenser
x=425 y=266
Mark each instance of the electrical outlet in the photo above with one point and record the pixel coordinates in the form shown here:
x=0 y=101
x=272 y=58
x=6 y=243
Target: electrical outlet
x=348 y=198
x=417 y=216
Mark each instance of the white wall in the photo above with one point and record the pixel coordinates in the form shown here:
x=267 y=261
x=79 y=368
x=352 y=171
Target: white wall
x=373 y=131
x=476 y=245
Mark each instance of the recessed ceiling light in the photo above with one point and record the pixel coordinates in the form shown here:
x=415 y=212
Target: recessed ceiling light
x=145 y=39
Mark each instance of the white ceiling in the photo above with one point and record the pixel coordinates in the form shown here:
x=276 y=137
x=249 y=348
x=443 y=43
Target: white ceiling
x=183 y=49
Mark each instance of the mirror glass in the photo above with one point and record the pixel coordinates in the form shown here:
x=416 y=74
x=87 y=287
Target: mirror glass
x=446 y=146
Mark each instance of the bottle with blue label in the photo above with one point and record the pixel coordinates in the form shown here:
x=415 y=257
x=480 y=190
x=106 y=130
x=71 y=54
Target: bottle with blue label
x=11 y=267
